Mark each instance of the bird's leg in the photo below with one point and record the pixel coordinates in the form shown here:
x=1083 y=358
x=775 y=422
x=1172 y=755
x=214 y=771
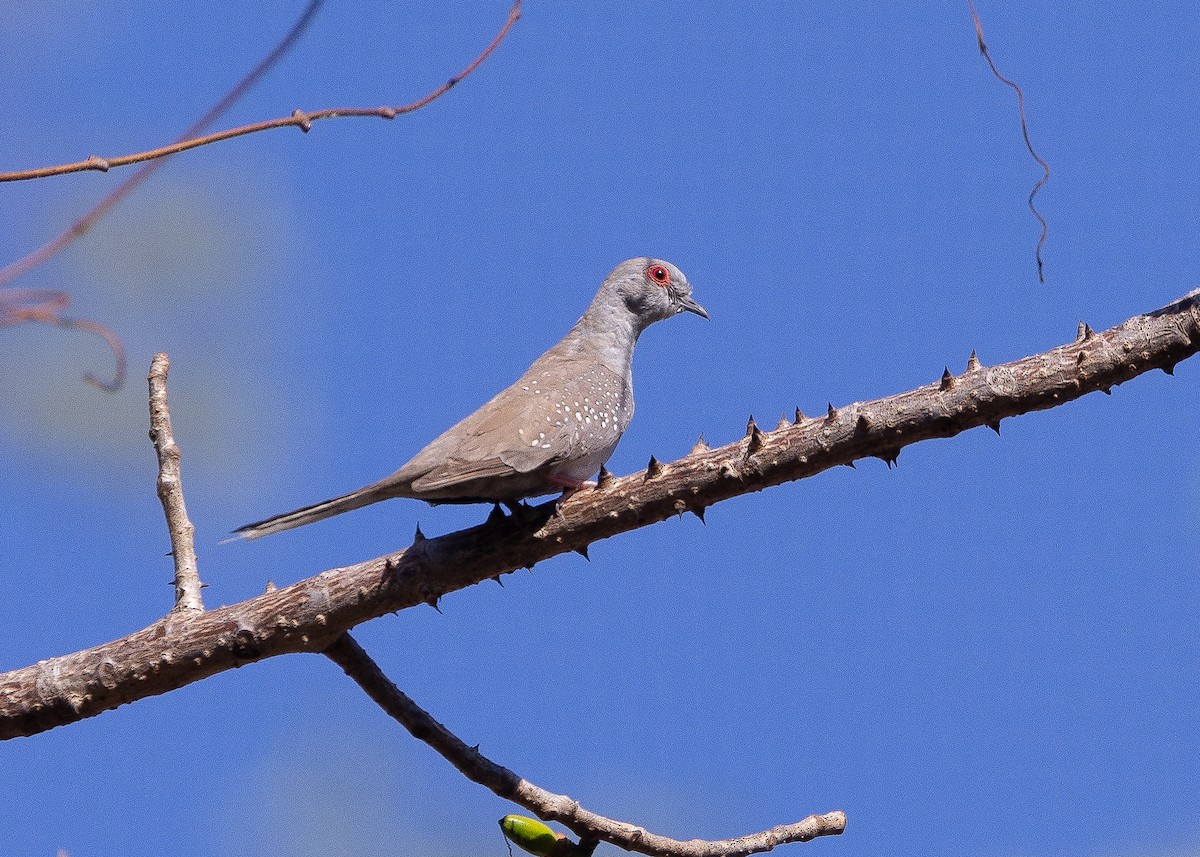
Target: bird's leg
x=570 y=487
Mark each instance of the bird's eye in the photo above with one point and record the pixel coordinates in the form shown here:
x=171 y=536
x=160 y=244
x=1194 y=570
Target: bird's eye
x=658 y=274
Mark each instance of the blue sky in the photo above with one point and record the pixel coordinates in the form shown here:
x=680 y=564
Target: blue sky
x=991 y=650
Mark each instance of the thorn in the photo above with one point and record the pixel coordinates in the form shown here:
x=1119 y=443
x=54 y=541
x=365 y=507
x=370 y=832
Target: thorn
x=995 y=426
x=757 y=439
x=700 y=446
x=680 y=508
x=832 y=415
x=271 y=587
x=582 y=551
x=1106 y=391
x=891 y=460
x=851 y=465
x=1088 y=333
x=653 y=469
x=529 y=567
x=432 y=599
x=751 y=426
x=1079 y=331
x=863 y=424
x=496 y=515
x=698 y=512
x=604 y=479
x=800 y=416
x=947 y=380
x=783 y=423
x=498 y=580
x=972 y=361
x=1169 y=369
x=418 y=536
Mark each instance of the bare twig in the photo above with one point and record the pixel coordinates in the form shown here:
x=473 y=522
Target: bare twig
x=298 y=119
x=351 y=657
x=1025 y=133
x=48 y=308
x=170 y=491
x=154 y=159
x=308 y=616
x=80 y=227
x=18 y=306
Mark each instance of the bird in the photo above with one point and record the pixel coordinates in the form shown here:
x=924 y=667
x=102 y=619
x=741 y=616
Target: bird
x=550 y=430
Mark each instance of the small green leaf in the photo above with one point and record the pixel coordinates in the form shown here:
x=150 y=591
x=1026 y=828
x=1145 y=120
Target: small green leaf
x=529 y=834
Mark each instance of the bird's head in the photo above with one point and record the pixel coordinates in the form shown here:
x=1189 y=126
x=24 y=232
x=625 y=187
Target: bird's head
x=652 y=290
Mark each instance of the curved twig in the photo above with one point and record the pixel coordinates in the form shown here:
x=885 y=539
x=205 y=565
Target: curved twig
x=1024 y=133
x=18 y=306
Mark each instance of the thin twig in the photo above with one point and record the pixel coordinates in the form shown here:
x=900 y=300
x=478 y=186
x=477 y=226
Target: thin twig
x=80 y=227
x=351 y=657
x=308 y=616
x=1025 y=133
x=170 y=492
x=298 y=119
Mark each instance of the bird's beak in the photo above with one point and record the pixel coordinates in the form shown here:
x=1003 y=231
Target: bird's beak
x=686 y=303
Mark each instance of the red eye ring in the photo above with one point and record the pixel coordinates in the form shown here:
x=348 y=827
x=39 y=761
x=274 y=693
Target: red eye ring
x=658 y=274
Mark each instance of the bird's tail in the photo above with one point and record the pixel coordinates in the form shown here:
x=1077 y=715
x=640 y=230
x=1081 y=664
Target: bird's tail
x=308 y=514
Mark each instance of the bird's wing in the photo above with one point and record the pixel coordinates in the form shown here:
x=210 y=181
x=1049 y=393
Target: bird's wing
x=500 y=439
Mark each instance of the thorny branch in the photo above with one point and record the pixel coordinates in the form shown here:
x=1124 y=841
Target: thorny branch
x=347 y=654
x=310 y=615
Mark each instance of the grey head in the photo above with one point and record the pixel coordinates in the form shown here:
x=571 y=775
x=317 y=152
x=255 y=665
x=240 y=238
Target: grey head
x=649 y=289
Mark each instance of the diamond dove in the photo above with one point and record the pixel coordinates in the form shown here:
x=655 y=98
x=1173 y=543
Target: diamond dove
x=552 y=429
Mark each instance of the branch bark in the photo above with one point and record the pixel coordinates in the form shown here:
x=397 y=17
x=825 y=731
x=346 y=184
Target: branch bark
x=170 y=491
x=310 y=615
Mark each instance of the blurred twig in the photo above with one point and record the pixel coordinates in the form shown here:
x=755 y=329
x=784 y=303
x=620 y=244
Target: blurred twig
x=19 y=306
x=298 y=119
x=47 y=251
